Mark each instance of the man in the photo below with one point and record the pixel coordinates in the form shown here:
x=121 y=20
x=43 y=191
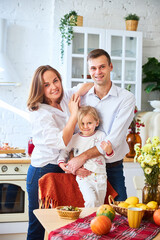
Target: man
x=116 y=109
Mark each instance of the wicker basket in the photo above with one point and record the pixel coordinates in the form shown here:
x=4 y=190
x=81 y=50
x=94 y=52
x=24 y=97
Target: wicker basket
x=131 y=25
x=79 y=21
x=68 y=214
x=123 y=211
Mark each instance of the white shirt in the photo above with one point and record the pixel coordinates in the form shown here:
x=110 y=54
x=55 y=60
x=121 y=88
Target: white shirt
x=47 y=129
x=116 y=111
x=80 y=144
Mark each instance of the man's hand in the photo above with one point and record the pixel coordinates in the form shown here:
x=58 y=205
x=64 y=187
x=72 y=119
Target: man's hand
x=74 y=164
x=83 y=172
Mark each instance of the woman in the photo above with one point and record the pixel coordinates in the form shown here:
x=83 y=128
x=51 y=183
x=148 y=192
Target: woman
x=52 y=128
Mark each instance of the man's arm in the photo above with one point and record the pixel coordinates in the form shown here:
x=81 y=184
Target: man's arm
x=120 y=124
x=77 y=162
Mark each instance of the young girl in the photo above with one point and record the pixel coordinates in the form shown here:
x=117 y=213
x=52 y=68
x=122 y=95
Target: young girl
x=52 y=128
x=94 y=186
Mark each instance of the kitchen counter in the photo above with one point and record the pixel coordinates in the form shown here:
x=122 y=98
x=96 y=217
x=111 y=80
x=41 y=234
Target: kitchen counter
x=27 y=160
x=128 y=159
x=24 y=160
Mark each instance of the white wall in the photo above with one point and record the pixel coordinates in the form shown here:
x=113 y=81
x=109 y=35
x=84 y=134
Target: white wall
x=34 y=39
x=29 y=45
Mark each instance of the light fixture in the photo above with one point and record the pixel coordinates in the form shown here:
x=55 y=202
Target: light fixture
x=8 y=75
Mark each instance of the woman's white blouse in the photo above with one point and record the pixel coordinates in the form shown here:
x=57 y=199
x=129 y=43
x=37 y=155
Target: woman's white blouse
x=47 y=129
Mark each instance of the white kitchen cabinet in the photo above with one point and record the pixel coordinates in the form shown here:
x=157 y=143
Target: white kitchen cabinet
x=124 y=47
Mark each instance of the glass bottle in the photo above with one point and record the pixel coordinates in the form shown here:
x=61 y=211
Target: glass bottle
x=151 y=193
x=30 y=146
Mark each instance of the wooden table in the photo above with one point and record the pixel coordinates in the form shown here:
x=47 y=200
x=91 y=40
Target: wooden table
x=51 y=221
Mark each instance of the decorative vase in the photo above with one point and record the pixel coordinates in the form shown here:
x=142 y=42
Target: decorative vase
x=131 y=25
x=151 y=193
x=132 y=139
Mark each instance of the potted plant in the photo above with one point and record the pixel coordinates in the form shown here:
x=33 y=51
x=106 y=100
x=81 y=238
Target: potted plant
x=131 y=22
x=151 y=76
x=66 y=28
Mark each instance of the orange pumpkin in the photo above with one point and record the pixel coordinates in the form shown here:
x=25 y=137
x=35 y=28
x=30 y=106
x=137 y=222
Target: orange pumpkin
x=156 y=217
x=100 y=225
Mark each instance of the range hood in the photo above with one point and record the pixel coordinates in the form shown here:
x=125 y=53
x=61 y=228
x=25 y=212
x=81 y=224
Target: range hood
x=8 y=75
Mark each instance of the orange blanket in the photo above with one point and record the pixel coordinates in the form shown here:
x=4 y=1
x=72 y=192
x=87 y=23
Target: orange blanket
x=61 y=189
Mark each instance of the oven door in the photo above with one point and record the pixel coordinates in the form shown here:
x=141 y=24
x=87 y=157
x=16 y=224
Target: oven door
x=13 y=198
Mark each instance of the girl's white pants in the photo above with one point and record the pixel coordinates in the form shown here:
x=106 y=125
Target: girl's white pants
x=93 y=189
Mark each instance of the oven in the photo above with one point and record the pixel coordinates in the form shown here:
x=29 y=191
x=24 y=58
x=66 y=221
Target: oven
x=13 y=194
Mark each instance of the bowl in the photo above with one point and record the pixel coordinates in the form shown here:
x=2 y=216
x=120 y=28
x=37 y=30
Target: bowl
x=68 y=214
x=156 y=105
x=123 y=211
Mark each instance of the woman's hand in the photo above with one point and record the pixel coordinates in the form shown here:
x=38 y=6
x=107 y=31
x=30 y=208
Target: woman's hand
x=74 y=104
x=70 y=126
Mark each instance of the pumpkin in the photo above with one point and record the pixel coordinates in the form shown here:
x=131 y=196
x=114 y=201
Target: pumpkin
x=100 y=225
x=156 y=217
x=107 y=211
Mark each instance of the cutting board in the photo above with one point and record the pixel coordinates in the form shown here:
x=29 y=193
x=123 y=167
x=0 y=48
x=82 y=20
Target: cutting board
x=9 y=151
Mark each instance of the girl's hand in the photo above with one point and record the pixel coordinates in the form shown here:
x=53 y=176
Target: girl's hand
x=74 y=104
x=106 y=146
x=64 y=167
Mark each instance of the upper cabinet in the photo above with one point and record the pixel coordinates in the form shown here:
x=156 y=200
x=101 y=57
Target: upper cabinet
x=124 y=47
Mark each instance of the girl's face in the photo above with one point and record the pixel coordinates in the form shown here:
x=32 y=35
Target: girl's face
x=52 y=86
x=88 y=125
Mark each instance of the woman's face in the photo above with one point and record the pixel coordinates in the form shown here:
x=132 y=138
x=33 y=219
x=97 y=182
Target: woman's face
x=52 y=86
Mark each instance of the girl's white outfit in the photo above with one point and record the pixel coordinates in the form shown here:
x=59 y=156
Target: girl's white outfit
x=94 y=186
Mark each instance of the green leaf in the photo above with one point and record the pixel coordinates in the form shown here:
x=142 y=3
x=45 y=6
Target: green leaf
x=150 y=88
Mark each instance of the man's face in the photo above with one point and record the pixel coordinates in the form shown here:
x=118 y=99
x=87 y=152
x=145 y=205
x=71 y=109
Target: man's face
x=99 y=70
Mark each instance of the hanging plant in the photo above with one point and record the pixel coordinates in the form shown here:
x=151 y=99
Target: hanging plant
x=66 y=28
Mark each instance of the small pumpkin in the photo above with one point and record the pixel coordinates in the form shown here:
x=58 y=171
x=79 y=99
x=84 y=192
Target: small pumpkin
x=107 y=211
x=156 y=217
x=100 y=225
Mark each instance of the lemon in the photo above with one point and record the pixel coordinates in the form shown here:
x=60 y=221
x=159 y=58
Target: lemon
x=131 y=205
x=142 y=206
x=152 y=205
x=123 y=204
x=132 y=200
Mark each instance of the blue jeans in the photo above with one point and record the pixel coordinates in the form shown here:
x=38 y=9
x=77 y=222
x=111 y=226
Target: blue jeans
x=35 y=229
x=117 y=180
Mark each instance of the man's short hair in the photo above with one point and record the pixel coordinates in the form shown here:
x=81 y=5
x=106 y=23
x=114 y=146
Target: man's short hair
x=97 y=53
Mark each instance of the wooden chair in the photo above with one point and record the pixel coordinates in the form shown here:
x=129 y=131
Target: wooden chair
x=139 y=184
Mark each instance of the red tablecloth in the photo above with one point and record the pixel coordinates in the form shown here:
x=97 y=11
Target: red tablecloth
x=80 y=229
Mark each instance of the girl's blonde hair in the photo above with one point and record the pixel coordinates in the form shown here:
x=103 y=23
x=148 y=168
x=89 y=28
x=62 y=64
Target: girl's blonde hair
x=83 y=111
x=36 y=94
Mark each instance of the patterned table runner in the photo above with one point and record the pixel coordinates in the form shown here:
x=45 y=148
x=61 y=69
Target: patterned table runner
x=80 y=229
